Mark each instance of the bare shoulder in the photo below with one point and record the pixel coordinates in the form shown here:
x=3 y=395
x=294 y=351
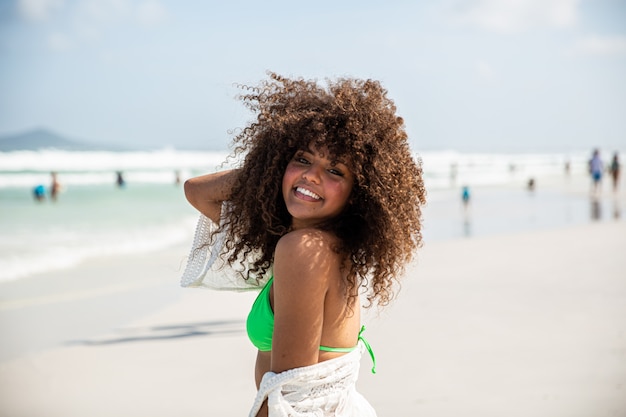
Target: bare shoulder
x=307 y=239
x=307 y=254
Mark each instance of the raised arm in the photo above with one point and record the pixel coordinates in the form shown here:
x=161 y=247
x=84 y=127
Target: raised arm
x=207 y=192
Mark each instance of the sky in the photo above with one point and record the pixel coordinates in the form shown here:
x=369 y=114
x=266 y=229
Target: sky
x=474 y=75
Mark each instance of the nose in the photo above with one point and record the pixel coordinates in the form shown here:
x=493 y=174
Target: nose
x=312 y=174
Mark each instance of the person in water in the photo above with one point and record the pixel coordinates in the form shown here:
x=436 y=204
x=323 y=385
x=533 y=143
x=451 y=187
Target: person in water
x=39 y=193
x=55 y=186
x=325 y=209
x=119 y=179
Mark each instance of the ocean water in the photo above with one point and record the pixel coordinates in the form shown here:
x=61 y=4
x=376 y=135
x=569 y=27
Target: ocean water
x=94 y=217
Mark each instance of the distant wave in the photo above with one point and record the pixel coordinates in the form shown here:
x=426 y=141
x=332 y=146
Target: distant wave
x=56 y=160
x=441 y=168
x=27 y=168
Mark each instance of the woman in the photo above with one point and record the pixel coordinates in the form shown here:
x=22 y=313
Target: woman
x=324 y=208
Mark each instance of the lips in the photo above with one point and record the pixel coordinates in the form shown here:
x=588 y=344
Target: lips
x=307 y=193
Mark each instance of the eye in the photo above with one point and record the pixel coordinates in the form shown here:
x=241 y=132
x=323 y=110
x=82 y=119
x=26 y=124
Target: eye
x=337 y=172
x=300 y=158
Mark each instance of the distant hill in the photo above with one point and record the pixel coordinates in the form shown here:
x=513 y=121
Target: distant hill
x=44 y=139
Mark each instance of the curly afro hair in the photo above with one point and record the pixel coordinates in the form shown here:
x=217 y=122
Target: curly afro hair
x=354 y=120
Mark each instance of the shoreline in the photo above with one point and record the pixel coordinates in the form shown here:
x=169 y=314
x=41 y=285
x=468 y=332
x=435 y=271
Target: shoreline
x=557 y=202
x=67 y=235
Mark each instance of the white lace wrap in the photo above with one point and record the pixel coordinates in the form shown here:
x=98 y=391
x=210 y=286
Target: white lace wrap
x=207 y=266
x=326 y=389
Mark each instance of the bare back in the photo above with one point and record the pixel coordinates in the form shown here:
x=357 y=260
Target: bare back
x=310 y=303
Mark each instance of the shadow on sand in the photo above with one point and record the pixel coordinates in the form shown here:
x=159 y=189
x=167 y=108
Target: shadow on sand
x=169 y=332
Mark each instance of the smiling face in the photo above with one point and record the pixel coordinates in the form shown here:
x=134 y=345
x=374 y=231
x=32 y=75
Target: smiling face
x=315 y=188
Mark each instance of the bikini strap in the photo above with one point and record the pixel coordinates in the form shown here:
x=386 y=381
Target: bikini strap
x=350 y=349
x=369 y=349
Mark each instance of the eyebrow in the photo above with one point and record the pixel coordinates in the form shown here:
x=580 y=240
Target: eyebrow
x=332 y=161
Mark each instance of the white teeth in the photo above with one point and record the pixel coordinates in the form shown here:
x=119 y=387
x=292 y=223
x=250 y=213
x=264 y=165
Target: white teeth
x=308 y=193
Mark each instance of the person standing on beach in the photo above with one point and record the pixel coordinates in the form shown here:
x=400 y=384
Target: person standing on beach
x=325 y=208
x=596 y=168
x=614 y=170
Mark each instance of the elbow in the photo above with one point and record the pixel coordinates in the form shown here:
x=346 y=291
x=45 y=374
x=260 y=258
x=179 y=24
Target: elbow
x=189 y=188
x=205 y=193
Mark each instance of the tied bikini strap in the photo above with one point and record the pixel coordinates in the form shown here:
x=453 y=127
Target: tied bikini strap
x=350 y=349
x=369 y=348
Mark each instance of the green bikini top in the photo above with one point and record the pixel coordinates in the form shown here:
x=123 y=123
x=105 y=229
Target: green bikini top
x=260 y=326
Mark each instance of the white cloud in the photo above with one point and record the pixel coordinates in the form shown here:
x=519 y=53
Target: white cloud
x=108 y=12
x=94 y=20
x=151 y=13
x=105 y=11
x=59 y=42
x=600 y=45
x=38 y=9
x=509 y=16
x=485 y=70
x=87 y=32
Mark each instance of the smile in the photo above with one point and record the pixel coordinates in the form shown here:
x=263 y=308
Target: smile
x=307 y=193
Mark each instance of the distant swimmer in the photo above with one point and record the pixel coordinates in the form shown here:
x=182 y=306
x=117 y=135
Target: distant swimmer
x=454 y=172
x=55 y=186
x=120 y=179
x=465 y=195
x=39 y=192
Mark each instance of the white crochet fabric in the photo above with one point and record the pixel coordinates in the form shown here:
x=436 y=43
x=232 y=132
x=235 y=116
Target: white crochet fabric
x=207 y=266
x=326 y=389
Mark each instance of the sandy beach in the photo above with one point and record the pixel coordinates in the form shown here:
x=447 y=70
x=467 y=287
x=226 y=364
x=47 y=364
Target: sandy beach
x=520 y=324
